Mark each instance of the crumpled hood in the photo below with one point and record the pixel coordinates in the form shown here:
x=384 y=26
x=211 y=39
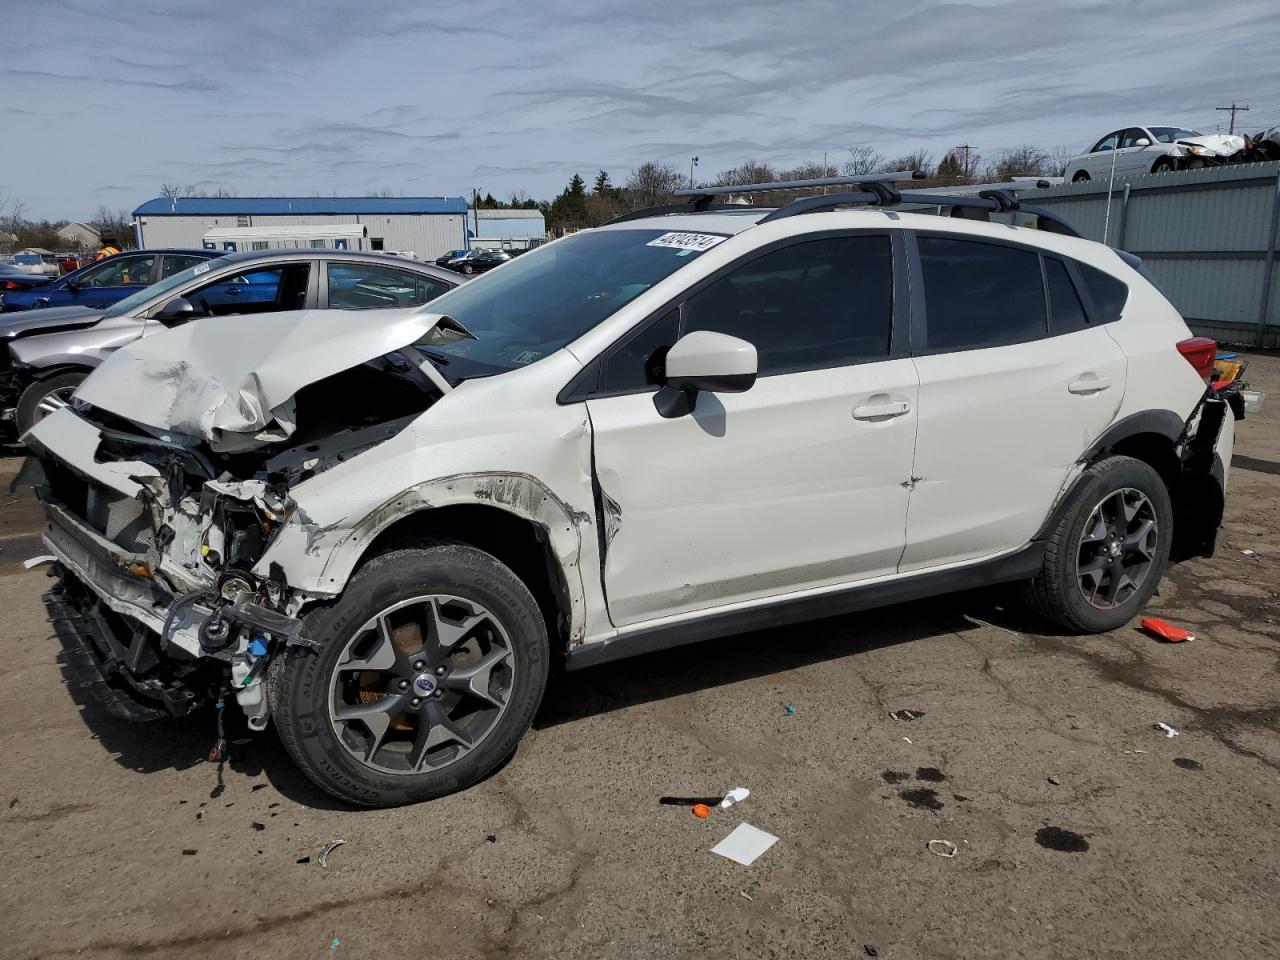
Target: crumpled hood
x=1223 y=143
x=46 y=320
x=231 y=380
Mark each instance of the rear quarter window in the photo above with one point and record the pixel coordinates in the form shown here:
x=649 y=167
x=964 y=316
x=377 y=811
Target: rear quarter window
x=1108 y=295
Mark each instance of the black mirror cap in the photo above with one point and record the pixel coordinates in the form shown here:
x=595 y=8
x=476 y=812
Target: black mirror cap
x=716 y=383
x=679 y=396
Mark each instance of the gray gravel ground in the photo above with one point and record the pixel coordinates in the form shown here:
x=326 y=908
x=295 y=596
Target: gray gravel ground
x=566 y=852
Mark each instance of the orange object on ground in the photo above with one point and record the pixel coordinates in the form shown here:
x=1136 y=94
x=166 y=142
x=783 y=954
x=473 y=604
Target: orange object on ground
x=701 y=811
x=1166 y=631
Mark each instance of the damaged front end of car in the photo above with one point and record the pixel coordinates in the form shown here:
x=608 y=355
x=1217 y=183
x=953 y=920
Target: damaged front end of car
x=159 y=513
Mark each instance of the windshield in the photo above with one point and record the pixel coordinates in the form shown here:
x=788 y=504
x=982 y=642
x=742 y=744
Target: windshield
x=1170 y=134
x=147 y=294
x=538 y=302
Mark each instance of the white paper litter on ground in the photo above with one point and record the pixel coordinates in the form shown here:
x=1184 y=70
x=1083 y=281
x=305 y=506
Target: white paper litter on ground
x=744 y=844
x=1166 y=729
x=736 y=795
x=36 y=561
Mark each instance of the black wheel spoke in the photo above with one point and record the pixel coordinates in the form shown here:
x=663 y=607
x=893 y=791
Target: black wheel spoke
x=475 y=678
x=376 y=716
x=435 y=730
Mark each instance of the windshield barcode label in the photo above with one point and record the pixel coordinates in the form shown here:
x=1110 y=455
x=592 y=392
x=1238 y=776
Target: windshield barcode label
x=686 y=241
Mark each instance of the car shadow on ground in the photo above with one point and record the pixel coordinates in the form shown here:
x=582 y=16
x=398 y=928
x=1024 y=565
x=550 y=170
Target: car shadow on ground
x=184 y=744
x=575 y=695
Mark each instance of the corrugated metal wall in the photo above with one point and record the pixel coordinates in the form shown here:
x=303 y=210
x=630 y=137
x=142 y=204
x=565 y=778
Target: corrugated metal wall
x=1205 y=235
x=427 y=235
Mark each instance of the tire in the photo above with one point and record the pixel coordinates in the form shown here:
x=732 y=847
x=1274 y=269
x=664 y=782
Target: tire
x=1081 y=176
x=1112 y=487
x=468 y=269
x=1163 y=165
x=311 y=692
x=42 y=396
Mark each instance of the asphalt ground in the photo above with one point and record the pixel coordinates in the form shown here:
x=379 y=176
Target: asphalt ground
x=1080 y=829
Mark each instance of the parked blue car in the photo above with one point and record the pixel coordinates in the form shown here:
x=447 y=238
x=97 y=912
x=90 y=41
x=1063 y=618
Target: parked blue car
x=105 y=281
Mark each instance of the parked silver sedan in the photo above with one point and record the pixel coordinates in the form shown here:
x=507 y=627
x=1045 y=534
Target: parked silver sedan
x=45 y=354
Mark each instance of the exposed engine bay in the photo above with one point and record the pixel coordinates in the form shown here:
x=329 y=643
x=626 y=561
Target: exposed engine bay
x=158 y=604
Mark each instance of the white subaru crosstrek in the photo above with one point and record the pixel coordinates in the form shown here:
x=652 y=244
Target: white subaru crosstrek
x=380 y=529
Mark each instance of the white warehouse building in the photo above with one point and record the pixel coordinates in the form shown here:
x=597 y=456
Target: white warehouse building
x=425 y=226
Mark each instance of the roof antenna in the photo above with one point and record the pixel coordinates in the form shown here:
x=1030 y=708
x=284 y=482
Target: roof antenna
x=1106 y=222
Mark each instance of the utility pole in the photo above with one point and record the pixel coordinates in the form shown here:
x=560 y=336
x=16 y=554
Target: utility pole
x=475 y=211
x=964 y=170
x=693 y=162
x=1233 y=109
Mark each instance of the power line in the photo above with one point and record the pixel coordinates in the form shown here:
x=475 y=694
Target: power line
x=1232 y=109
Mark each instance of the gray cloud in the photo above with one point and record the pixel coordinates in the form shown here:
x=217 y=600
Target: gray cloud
x=307 y=96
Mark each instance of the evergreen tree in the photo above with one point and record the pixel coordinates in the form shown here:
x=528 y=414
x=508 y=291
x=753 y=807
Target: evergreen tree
x=603 y=187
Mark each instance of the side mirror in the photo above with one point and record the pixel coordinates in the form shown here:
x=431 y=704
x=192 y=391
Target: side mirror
x=73 y=286
x=1144 y=142
x=177 y=310
x=703 y=360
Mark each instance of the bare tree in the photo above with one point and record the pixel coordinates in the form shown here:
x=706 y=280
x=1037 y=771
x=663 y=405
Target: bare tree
x=172 y=191
x=383 y=192
x=651 y=184
x=917 y=160
x=13 y=213
x=1026 y=160
x=750 y=171
x=862 y=160
x=1059 y=157
x=114 y=225
x=810 y=170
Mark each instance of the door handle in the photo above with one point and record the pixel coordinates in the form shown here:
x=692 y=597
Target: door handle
x=233 y=291
x=1089 y=383
x=881 y=410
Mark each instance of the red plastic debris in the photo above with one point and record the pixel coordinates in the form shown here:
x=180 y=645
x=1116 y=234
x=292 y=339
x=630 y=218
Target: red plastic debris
x=1166 y=631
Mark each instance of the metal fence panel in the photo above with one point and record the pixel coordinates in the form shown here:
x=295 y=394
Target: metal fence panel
x=1205 y=235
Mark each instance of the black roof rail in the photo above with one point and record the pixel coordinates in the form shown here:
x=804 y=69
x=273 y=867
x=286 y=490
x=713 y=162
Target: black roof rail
x=700 y=198
x=990 y=201
x=673 y=208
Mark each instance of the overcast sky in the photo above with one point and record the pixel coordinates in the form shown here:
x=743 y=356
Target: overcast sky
x=102 y=102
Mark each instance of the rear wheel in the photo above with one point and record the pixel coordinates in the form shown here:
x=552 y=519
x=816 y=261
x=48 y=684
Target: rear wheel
x=43 y=397
x=431 y=667
x=1107 y=553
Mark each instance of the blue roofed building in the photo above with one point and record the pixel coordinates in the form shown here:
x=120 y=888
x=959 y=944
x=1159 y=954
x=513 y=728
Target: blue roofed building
x=425 y=226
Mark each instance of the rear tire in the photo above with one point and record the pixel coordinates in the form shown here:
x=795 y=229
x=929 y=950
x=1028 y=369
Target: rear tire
x=432 y=664
x=1106 y=555
x=44 y=396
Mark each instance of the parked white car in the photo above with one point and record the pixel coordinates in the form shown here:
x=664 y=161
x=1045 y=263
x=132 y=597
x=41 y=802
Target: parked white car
x=1152 y=149
x=675 y=427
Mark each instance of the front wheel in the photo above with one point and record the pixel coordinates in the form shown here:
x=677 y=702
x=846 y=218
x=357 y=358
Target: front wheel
x=431 y=666
x=43 y=397
x=1163 y=165
x=1106 y=555
x=468 y=268
x=1080 y=177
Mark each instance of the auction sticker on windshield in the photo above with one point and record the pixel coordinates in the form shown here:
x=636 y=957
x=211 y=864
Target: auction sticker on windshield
x=687 y=241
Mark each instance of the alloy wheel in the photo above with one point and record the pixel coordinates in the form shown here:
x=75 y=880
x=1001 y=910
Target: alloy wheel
x=421 y=684
x=52 y=402
x=1117 y=548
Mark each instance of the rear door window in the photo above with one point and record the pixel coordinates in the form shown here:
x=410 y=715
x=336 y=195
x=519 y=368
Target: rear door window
x=364 y=286
x=980 y=294
x=177 y=262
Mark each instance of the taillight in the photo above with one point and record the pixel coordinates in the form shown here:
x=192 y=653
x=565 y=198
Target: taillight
x=1200 y=353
